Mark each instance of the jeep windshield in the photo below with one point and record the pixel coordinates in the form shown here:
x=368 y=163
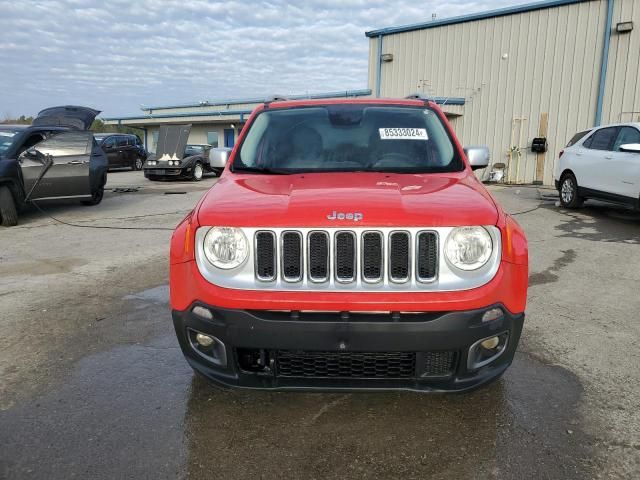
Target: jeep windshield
x=347 y=138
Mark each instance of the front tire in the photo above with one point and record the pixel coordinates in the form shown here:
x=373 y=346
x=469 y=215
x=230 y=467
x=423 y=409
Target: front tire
x=8 y=211
x=569 y=197
x=96 y=198
x=198 y=172
x=137 y=164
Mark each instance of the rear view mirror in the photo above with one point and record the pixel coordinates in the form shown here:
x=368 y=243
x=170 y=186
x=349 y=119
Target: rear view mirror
x=630 y=147
x=478 y=156
x=218 y=157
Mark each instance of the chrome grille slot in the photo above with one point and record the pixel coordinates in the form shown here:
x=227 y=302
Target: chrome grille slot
x=291 y=255
x=372 y=256
x=399 y=256
x=265 y=254
x=318 y=256
x=345 y=256
x=426 y=256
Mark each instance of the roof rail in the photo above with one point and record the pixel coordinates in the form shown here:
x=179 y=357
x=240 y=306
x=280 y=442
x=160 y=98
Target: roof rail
x=417 y=96
x=274 y=98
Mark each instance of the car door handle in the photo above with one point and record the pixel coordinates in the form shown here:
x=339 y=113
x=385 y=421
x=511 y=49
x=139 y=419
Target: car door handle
x=608 y=158
x=75 y=162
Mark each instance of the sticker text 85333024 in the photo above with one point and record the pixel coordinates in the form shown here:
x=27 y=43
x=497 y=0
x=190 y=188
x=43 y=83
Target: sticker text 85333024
x=403 y=134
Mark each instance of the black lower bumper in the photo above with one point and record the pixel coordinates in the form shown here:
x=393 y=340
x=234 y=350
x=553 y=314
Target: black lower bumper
x=346 y=351
x=163 y=172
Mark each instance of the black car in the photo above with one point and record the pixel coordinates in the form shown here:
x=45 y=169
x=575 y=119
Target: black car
x=122 y=150
x=174 y=158
x=54 y=157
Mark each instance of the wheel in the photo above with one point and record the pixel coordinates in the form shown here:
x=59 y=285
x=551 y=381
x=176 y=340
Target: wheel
x=569 y=197
x=137 y=165
x=96 y=198
x=197 y=173
x=8 y=212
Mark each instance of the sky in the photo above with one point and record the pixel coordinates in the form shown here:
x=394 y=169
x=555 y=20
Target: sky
x=118 y=55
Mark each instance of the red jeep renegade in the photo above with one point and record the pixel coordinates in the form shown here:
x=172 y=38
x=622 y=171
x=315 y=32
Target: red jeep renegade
x=348 y=245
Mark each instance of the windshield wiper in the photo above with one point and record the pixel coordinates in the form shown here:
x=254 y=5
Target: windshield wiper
x=265 y=170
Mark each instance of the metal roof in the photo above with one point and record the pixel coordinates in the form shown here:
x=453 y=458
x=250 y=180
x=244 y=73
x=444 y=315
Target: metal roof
x=236 y=101
x=221 y=113
x=500 y=12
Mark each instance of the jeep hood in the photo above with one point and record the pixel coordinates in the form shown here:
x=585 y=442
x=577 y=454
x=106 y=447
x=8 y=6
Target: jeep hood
x=172 y=142
x=71 y=116
x=383 y=199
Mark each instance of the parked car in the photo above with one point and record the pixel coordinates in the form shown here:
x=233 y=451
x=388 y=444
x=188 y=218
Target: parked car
x=174 y=158
x=348 y=245
x=601 y=163
x=54 y=157
x=122 y=150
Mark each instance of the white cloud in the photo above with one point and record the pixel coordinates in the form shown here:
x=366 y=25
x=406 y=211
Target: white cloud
x=117 y=55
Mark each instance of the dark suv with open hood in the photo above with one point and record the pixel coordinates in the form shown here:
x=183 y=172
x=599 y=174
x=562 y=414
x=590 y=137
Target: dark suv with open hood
x=54 y=157
x=174 y=158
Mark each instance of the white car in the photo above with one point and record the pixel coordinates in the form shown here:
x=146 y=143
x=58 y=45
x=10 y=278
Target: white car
x=601 y=163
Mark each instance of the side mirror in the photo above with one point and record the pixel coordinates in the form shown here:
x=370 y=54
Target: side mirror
x=478 y=156
x=31 y=154
x=218 y=157
x=630 y=147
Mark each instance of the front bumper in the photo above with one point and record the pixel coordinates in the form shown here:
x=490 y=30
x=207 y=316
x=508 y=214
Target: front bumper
x=343 y=338
x=164 y=172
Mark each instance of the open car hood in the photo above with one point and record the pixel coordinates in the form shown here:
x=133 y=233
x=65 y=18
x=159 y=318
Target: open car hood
x=172 y=142
x=80 y=118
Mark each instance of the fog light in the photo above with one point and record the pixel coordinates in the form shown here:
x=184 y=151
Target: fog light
x=492 y=314
x=208 y=347
x=490 y=343
x=204 y=340
x=486 y=350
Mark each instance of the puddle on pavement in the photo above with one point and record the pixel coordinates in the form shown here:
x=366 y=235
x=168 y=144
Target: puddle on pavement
x=157 y=295
x=42 y=266
x=136 y=409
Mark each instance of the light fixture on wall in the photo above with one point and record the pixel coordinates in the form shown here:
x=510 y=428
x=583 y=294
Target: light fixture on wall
x=624 y=27
x=387 y=57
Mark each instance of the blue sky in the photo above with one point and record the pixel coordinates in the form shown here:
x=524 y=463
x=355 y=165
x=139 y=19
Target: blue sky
x=121 y=54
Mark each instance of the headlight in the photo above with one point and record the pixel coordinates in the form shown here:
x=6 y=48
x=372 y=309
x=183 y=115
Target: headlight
x=468 y=248
x=226 y=247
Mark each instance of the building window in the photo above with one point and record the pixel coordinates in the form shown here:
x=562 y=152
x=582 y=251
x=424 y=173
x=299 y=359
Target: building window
x=212 y=139
x=155 y=134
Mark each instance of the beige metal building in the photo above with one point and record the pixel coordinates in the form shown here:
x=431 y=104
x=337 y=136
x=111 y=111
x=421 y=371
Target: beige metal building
x=545 y=69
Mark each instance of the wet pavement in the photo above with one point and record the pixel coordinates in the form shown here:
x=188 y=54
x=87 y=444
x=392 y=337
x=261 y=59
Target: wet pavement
x=136 y=411
x=93 y=383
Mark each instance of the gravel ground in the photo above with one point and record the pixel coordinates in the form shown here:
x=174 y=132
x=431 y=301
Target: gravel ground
x=93 y=384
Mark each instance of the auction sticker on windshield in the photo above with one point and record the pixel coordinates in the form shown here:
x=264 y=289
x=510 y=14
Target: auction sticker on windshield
x=403 y=134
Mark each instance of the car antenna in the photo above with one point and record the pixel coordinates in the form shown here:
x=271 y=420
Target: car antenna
x=47 y=163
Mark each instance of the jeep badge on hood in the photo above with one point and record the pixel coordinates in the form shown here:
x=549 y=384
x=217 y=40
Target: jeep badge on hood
x=355 y=216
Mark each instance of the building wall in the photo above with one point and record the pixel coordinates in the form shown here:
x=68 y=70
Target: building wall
x=622 y=95
x=552 y=70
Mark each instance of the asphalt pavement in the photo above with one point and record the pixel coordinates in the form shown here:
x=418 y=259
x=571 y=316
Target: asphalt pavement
x=93 y=383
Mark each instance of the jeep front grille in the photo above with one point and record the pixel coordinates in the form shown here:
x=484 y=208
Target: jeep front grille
x=346 y=256
x=349 y=258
